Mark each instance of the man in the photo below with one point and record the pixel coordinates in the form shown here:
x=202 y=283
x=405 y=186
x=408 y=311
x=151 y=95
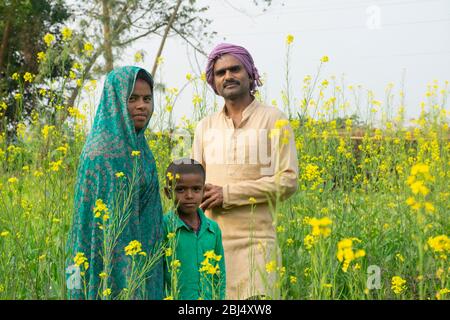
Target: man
x=248 y=150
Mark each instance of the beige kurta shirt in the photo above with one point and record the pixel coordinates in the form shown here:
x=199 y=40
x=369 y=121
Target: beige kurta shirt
x=255 y=164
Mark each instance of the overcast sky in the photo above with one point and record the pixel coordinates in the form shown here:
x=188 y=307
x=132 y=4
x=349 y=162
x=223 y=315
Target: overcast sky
x=372 y=42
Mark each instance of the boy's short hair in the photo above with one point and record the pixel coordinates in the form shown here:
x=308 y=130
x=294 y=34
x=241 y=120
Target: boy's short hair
x=184 y=166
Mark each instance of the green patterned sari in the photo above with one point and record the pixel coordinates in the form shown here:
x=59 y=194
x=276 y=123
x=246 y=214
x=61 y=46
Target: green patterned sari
x=108 y=151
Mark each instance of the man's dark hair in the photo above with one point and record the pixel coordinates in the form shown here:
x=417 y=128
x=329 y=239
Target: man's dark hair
x=184 y=166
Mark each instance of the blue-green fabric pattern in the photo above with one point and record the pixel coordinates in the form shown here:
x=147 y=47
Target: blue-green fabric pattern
x=107 y=151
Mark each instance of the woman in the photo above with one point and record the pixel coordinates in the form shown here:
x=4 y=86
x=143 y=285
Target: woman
x=107 y=163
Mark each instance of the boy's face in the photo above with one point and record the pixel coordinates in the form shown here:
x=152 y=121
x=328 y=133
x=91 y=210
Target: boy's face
x=188 y=192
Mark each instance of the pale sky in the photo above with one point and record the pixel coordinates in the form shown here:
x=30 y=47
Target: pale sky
x=372 y=42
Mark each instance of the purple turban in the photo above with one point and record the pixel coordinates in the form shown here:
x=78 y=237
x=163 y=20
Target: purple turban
x=239 y=53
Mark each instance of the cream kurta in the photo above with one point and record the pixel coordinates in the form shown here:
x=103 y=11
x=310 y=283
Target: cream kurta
x=250 y=161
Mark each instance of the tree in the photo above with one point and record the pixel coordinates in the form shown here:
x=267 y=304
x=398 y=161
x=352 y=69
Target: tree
x=23 y=27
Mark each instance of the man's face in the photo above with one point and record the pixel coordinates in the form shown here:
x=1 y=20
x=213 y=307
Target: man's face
x=140 y=104
x=188 y=193
x=230 y=78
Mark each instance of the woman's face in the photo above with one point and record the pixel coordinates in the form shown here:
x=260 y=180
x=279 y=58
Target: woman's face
x=140 y=104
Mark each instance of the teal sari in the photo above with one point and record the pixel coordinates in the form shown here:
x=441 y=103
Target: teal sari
x=108 y=151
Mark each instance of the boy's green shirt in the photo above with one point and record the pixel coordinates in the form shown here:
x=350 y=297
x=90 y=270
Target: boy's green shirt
x=190 y=249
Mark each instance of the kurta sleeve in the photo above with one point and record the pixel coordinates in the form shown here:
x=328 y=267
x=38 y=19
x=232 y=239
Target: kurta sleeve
x=281 y=184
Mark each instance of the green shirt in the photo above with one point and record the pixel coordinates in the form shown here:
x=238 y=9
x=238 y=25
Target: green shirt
x=189 y=248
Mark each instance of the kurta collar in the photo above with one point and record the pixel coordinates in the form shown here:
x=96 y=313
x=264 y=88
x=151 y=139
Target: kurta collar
x=248 y=111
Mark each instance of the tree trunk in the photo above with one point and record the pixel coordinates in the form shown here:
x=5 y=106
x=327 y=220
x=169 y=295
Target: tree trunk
x=166 y=33
x=106 y=20
x=4 y=44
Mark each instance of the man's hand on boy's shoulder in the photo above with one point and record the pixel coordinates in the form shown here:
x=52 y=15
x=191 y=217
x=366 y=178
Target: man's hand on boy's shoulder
x=213 y=197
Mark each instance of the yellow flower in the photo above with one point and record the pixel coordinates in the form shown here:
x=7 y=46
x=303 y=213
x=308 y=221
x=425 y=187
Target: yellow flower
x=418 y=187
x=289 y=39
x=77 y=66
x=119 y=174
x=168 y=298
x=429 y=207
x=398 y=284
x=88 y=48
x=15 y=76
x=28 y=77
x=324 y=59
x=320 y=226
x=54 y=166
x=442 y=292
x=209 y=254
x=135 y=153
x=196 y=100
x=66 y=33
x=4 y=234
x=203 y=76
x=170 y=235
x=175 y=264
x=103 y=275
x=41 y=56
x=169 y=252
x=18 y=96
x=47 y=130
x=160 y=60
x=213 y=270
x=346 y=254
x=439 y=244
x=13 y=180
x=309 y=241
x=293 y=279
x=271 y=266
x=138 y=56
x=307 y=272
x=49 y=39
x=410 y=201
x=80 y=258
x=106 y=292
x=188 y=77
x=281 y=123
x=400 y=257
x=133 y=248
x=252 y=200
x=100 y=207
x=38 y=173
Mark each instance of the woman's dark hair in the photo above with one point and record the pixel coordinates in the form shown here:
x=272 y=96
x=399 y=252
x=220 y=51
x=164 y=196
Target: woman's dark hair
x=145 y=76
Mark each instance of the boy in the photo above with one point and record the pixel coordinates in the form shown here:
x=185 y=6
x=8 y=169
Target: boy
x=195 y=263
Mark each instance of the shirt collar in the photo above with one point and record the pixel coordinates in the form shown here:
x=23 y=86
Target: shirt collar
x=247 y=111
x=204 y=223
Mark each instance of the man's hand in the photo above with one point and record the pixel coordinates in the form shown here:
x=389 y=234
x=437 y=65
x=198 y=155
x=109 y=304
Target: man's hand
x=213 y=197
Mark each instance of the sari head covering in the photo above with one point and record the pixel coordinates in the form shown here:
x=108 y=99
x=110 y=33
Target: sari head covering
x=239 y=53
x=108 y=151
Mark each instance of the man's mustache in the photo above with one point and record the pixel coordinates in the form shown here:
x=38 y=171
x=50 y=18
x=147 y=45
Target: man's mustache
x=227 y=83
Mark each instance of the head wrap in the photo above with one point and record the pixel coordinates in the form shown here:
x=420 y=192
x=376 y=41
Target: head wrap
x=239 y=53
